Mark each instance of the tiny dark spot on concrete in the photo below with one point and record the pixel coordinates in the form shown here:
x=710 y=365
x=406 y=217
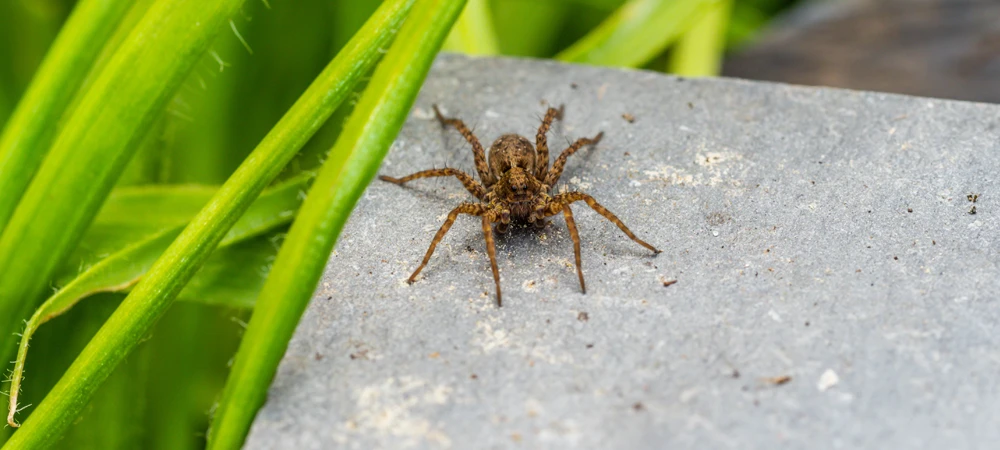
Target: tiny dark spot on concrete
x=548 y=321
x=690 y=105
x=735 y=374
x=669 y=283
x=909 y=210
x=573 y=86
x=590 y=345
x=628 y=118
x=869 y=211
x=583 y=316
x=638 y=406
x=807 y=323
x=468 y=248
x=933 y=242
x=317 y=356
x=973 y=210
x=813 y=182
x=474 y=377
x=895 y=258
x=627 y=154
x=756 y=402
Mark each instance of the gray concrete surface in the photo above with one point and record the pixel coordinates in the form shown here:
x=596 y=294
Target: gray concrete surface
x=818 y=234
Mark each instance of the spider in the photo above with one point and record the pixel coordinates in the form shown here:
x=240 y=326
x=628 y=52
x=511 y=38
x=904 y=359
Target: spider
x=515 y=187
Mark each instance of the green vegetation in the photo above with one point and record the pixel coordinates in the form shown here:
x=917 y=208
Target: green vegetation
x=135 y=158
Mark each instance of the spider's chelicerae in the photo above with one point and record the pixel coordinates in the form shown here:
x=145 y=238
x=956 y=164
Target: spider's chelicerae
x=515 y=187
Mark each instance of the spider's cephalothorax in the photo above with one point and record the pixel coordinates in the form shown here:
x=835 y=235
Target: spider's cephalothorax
x=515 y=186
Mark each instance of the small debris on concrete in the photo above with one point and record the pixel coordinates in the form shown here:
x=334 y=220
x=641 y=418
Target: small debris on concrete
x=828 y=380
x=628 y=118
x=583 y=316
x=668 y=283
x=778 y=381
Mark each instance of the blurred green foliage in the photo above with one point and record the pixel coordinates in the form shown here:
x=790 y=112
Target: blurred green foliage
x=162 y=397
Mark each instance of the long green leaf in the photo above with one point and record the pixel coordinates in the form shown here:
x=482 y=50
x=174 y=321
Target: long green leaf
x=92 y=148
x=121 y=270
x=698 y=53
x=635 y=33
x=352 y=164
x=29 y=131
x=156 y=291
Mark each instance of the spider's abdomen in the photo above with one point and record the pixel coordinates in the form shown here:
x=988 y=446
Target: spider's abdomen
x=511 y=150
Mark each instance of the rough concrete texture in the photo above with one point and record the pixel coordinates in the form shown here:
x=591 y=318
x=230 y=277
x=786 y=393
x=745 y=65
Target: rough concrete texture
x=833 y=290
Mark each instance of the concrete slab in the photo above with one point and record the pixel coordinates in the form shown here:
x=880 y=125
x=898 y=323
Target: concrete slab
x=833 y=289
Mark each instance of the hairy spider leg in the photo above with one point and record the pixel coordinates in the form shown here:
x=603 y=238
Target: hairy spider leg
x=491 y=250
x=575 y=235
x=472 y=209
x=470 y=184
x=542 y=143
x=560 y=164
x=477 y=149
x=560 y=201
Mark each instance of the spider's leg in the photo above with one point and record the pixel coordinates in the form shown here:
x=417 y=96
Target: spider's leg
x=560 y=164
x=472 y=209
x=477 y=149
x=492 y=252
x=561 y=200
x=542 y=143
x=470 y=184
x=568 y=214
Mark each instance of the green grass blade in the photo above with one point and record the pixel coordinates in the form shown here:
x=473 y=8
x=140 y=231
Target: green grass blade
x=473 y=33
x=699 y=51
x=352 y=164
x=635 y=33
x=121 y=270
x=29 y=131
x=91 y=150
x=165 y=279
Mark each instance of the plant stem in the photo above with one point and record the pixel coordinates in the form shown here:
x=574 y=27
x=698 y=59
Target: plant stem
x=353 y=162
x=28 y=133
x=93 y=146
x=154 y=294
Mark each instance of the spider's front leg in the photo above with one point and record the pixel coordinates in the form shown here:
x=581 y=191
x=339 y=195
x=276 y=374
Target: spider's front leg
x=489 y=215
x=470 y=184
x=561 y=202
x=542 y=143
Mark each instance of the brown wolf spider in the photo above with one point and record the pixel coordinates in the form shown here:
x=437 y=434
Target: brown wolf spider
x=515 y=187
